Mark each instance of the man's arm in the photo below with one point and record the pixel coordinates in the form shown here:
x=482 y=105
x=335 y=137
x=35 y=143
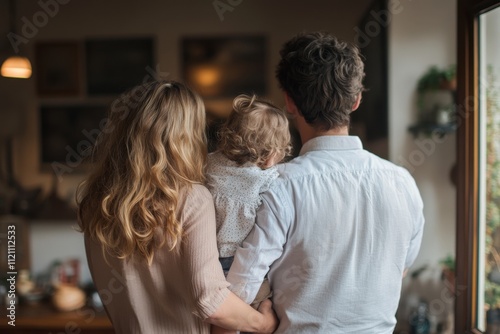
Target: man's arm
x=417 y=211
x=416 y=241
x=262 y=246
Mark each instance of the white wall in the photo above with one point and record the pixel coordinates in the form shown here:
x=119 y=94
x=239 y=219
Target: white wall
x=421 y=35
x=52 y=241
x=168 y=20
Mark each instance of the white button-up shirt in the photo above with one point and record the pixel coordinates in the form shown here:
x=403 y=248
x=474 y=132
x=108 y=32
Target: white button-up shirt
x=334 y=233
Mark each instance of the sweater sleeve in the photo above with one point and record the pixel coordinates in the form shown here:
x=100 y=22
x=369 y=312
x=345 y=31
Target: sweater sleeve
x=207 y=285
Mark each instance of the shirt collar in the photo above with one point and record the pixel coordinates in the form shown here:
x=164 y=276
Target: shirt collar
x=332 y=143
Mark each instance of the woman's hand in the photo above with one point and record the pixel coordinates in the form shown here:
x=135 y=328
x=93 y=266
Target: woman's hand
x=235 y=314
x=271 y=321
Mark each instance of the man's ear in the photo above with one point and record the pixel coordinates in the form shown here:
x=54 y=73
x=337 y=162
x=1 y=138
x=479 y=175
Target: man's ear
x=357 y=103
x=290 y=105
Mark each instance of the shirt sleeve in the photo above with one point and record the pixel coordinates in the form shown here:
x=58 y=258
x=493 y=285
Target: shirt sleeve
x=417 y=211
x=261 y=248
x=207 y=285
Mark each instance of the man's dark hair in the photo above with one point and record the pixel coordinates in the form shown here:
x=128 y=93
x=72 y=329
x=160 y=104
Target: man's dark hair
x=323 y=76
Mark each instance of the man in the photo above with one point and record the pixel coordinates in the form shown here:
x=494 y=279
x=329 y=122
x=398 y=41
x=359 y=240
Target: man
x=338 y=228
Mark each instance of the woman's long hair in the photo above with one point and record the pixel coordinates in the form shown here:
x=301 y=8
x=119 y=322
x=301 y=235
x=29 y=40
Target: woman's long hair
x=152 y=146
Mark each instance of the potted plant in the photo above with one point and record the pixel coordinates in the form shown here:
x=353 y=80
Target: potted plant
x=435 y=95
x=436 y=78
x=430 y=80
x=448 y=272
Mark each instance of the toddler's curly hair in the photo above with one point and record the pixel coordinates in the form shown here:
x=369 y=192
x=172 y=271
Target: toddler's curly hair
x=254 y=132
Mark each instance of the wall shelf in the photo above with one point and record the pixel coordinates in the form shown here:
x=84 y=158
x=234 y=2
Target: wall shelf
x=429 y=129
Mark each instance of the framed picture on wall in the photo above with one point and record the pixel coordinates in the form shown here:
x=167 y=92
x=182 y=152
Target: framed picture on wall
x=115 y=65
x=57 y=68
x=68 y=131
x=223 y=67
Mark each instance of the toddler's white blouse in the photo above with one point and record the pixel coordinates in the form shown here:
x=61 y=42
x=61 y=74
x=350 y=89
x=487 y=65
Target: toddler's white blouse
x=236 y=191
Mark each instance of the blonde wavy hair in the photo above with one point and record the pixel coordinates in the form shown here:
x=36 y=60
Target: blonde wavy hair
x=255 y=131
x=152 y=147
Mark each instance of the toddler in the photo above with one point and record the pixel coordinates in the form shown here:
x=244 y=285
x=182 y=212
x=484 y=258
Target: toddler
x=251 y=142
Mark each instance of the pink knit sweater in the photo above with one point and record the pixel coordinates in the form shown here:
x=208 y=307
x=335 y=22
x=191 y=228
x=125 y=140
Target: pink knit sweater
x=179 y=290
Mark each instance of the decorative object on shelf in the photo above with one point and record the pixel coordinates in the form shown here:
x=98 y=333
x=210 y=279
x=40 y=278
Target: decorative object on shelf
x=419 y=323
x=436 y=102
x=24 y=284
x=93 y=298
x=68 y=296
x=16 y=66
x=27 y=290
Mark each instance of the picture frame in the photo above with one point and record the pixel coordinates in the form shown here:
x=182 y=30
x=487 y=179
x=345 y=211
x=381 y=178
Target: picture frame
x=67 y=131
x=57 y=67
x=225 y=66
x=116 y=65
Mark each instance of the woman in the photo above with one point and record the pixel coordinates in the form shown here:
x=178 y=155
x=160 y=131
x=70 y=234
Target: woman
x=149 y=223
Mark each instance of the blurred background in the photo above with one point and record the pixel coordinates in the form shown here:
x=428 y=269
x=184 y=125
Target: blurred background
x=83 y=54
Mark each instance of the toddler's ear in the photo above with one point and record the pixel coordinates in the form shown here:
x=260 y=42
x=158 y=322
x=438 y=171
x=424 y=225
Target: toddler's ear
x=268 y=163
x=271 y=161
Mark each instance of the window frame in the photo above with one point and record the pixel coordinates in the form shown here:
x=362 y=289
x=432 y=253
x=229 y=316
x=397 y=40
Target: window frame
x=466 y=307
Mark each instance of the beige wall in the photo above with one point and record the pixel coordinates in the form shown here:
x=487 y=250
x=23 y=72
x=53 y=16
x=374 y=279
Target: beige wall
x=421 y=35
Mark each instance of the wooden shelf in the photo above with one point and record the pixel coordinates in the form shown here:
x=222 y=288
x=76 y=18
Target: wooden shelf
x=43 y=318
x=429 y=129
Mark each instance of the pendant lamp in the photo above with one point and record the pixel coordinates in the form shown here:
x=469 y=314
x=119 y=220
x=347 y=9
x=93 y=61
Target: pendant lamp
x=15 y=66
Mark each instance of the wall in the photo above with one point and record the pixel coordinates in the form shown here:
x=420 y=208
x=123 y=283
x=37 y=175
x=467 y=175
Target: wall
x=421 y=35
x=168 y=21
